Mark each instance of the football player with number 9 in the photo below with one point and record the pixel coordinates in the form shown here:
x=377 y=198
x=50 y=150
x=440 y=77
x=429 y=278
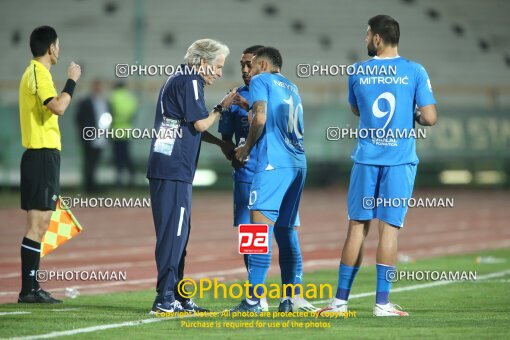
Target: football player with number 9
x=384 y=168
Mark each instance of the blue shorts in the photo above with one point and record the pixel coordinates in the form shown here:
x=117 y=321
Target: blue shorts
x=371 y=185
x=241 y=202
x=276 y=194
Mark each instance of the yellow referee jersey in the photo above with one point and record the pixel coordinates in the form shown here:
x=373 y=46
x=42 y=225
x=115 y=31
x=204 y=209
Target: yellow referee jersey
x=39 y=126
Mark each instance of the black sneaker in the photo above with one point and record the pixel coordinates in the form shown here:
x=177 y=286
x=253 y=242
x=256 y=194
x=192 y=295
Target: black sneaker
x=157 y=301
x=37 y=296
x=190 y=306
x=285 y=306
x=246 y=307
x=165 y=308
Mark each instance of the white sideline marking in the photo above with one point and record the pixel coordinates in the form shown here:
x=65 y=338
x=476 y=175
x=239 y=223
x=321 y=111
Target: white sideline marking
x=13 y=313
x=427 y=285
x=239 y=270
x=90 y=329
x=91 y=267
x=146 y=321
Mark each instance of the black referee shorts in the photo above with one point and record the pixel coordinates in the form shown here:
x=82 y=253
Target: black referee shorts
x=40 y=177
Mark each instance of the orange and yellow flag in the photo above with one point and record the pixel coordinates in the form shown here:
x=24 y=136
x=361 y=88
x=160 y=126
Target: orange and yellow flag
x=63 y=227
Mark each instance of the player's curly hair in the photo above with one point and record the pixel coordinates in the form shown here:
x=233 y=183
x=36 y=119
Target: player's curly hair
x=272 y=54
x=387 y=28
x=207 y=49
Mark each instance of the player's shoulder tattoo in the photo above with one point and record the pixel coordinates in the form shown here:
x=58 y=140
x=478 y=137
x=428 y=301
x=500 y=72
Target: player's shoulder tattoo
x=259 y=107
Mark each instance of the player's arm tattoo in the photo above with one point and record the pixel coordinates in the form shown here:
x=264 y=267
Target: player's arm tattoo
x=257 y=124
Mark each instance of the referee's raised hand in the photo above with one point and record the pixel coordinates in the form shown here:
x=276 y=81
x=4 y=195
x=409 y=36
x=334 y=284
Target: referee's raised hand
x=74 y=71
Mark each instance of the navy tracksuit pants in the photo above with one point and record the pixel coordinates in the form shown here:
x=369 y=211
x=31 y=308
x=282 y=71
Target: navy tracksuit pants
x=171 y=207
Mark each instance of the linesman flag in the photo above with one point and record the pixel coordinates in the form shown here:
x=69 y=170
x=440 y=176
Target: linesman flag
x=63 y=227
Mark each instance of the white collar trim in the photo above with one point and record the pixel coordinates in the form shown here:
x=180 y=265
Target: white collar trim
x=379 y=58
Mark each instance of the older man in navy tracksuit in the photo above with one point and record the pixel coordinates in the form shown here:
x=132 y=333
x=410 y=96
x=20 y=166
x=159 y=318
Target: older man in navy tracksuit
x=181 y=120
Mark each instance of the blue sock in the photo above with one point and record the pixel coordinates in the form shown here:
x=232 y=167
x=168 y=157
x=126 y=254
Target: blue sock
x=299 y=271
x=382 y=295
x=258 y=265
x=245 y=258
x=346 y=276
x=291 y=263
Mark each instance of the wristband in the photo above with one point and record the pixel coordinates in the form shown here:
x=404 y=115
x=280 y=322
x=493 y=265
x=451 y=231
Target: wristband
x=218 y=108
x=69 y=88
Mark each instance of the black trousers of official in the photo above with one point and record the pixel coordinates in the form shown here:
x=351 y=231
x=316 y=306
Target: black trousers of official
x=180 y=269
x=91 y=158
x=122 y=160
x=171 y=205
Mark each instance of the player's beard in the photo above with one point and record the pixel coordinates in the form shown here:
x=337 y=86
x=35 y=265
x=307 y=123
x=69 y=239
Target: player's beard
x=246 y=78
x=254 y=71
x=371 y=50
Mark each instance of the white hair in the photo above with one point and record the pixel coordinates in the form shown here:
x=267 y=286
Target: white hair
x=207 y=49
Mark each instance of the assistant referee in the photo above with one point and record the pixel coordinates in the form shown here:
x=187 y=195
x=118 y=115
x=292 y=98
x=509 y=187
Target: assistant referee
x=39 y=109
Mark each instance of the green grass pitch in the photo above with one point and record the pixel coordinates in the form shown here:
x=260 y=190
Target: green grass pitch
x=467 y=310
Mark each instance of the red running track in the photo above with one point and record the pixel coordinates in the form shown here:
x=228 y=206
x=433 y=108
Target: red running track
x=123 y=239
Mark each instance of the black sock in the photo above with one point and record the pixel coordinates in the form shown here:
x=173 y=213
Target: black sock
x=30 y=259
